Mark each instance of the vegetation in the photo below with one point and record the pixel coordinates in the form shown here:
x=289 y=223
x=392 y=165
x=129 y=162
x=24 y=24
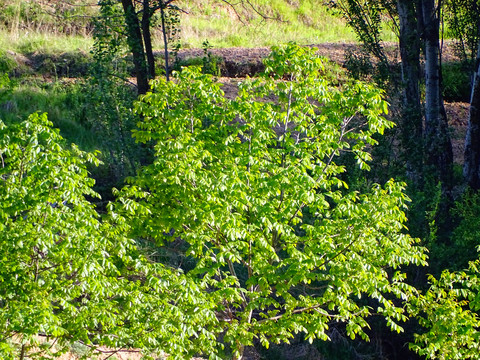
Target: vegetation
x=238 y=223
x=30 y=26
x=66 y=274
x=305 y=22
x=254 y=189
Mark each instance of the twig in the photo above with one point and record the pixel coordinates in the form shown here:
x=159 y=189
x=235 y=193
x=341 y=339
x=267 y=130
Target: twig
x=233 y=6
x=265 y=17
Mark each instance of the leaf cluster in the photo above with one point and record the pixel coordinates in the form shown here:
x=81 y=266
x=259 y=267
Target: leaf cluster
x=448 y=313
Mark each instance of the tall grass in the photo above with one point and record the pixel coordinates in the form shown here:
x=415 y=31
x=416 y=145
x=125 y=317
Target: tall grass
x=53 y=16
x=43 y=42
x=46 y=26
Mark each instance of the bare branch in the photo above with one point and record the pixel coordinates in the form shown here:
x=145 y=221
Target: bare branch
x=233 y=6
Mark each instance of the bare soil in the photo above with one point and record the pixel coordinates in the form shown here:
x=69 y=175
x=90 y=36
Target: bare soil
x=240 y=62
x=457 y=115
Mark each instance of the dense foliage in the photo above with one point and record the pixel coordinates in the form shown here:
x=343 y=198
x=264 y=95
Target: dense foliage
x=253 y=189
x=68 y=276
x=253 y=220
x=448 y=314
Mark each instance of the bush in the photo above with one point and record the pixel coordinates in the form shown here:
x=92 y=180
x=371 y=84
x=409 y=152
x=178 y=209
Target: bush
x=7 y=62
x=457 y=81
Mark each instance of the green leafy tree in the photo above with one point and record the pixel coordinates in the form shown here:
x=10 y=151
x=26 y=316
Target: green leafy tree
x=66 y=275
x=463 y=20
x=448 y=312
x=367 y=20
x=132 y=22
x=250 y=194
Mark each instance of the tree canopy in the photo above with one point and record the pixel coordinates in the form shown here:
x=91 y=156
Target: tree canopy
x=66 y=274
x=252 y=191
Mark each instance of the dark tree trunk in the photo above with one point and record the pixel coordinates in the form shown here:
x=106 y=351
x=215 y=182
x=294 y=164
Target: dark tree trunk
x=135 y=42
x=147 y=38
x=412 y=127
x=165 y=42
x=438 y=147
x=471 y=167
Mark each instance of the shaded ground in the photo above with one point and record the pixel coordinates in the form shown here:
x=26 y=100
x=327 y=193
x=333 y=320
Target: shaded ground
x=457 y=115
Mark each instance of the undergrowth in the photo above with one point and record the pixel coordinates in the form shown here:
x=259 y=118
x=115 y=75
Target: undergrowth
x=64 y=101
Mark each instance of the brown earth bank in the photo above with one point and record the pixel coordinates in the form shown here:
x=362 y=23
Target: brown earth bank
x=236 y=62
x=239 y=62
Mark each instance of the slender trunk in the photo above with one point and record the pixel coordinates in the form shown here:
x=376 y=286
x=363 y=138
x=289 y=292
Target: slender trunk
x=147 y=38
x=412 y=127
x=23 y=352
x=471 y=167
x=165 y=43
x=135 y=42
x=438 y=147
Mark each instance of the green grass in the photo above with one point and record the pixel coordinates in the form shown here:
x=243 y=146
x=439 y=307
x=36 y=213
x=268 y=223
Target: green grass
x=67 y=17
x=46 y=26
x=43 y=42
x=65 y=103
x=28 y=27
x=456 y=81
x=72 y=108
x=304 y=22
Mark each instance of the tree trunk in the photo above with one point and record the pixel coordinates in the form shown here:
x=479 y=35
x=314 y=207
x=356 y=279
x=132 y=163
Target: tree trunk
x=412 y=127
x=147 y=38
x=23 y=352
x=135 y=42
x=438 y=147
x=471 y=167
x=165 y=43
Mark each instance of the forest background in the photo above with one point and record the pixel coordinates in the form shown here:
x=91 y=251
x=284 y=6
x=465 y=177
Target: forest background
x=85 y=64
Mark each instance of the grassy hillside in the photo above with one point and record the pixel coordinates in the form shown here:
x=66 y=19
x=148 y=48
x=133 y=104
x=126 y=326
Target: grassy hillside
x=265 y=23
x=49 y=26
x=46 y=26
